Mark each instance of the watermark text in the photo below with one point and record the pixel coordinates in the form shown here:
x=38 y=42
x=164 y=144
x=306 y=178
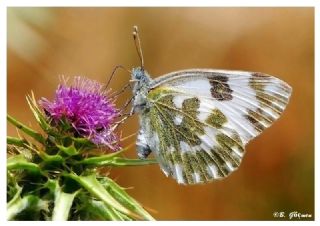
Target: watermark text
x=294 y=215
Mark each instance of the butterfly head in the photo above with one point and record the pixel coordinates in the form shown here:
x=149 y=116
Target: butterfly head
x=139 y=75
x=140 y=78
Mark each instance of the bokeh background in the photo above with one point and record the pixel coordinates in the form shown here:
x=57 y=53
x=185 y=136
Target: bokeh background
x=277 y=173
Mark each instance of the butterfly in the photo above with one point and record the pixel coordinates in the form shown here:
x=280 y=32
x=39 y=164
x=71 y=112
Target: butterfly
x=198 y=121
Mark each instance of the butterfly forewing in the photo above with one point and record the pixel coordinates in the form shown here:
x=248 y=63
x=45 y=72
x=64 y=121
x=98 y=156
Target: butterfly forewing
x=201 y=119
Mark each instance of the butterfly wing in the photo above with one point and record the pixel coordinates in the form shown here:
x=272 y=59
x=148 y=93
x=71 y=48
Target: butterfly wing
x=200 y=120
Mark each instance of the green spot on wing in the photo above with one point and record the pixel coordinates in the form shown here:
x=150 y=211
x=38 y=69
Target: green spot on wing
x=198 y=166
x=259 y=119
x=176 y=157
x=258 y=81
x=216 y=118
x=223 y=171
x=163 y=114
x=187 y=168
x=229 y=142
x=203 y=164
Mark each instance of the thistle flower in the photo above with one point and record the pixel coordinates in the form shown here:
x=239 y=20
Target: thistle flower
x=56 y=175
x=86 y=107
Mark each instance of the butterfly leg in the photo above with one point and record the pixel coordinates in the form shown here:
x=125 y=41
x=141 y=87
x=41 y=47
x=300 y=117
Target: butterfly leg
x=113 y=73
x=143 y=148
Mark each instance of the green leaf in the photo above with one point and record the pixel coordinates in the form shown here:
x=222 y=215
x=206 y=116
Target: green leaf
x=115 y=213
x=18 y=205
x=20 y=162
x=15 y=205
x=101 y=158
x=62 y=204
x=51 y=185
x=125 y=199
x=16 y=141
x=37 y=136
x=125 y=217
x=92 y=185
x=40 y=117
x=12 y=185
x=96 y=161
x=83 y=141
x=51 y=158
x=104 y=211
x=71 y=150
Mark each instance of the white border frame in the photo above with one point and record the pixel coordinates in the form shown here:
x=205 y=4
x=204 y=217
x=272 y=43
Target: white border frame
x=226 y=3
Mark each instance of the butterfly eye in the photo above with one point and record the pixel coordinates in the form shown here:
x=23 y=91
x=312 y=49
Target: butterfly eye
x=138 y=73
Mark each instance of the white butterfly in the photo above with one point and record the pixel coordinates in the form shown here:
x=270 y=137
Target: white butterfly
x=198 y=121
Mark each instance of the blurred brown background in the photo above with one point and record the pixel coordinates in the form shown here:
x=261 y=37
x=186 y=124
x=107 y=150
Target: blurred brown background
x=277 y=173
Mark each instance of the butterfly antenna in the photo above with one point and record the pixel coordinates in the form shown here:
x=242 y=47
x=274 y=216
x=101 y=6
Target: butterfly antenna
x=138 y=45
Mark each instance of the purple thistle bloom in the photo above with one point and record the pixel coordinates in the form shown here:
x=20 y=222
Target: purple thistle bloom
x=88 y=110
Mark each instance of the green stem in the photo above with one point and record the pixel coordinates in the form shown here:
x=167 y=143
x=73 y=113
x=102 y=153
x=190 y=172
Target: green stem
x=26 y=129
x=132 y=162
x=116 y=161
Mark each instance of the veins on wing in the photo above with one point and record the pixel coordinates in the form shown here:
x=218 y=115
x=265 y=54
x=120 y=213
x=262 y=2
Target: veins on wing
x=171 y=125
x=194 y=120
x=198 y=125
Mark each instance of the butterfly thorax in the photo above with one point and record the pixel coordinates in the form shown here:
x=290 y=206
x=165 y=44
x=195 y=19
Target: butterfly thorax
x=140 y=89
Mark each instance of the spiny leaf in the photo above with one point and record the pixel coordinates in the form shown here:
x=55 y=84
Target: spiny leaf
x=51 y=185
x=20 y=162
x=102 y=158
x=12 y=185
x=125 y=199
x=14 y=206
x=92 y=185
x=96 y=160
x=16 y=141
x=37 y=113
x=37 y=136
x=84 y=141
x=103 y=211
x=51 y=158
x=62 y=203
x=71 y=150
x=18 y=205
x=125 y=217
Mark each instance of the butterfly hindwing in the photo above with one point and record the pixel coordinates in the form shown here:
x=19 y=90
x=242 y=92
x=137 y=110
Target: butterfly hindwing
x=199 y=121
